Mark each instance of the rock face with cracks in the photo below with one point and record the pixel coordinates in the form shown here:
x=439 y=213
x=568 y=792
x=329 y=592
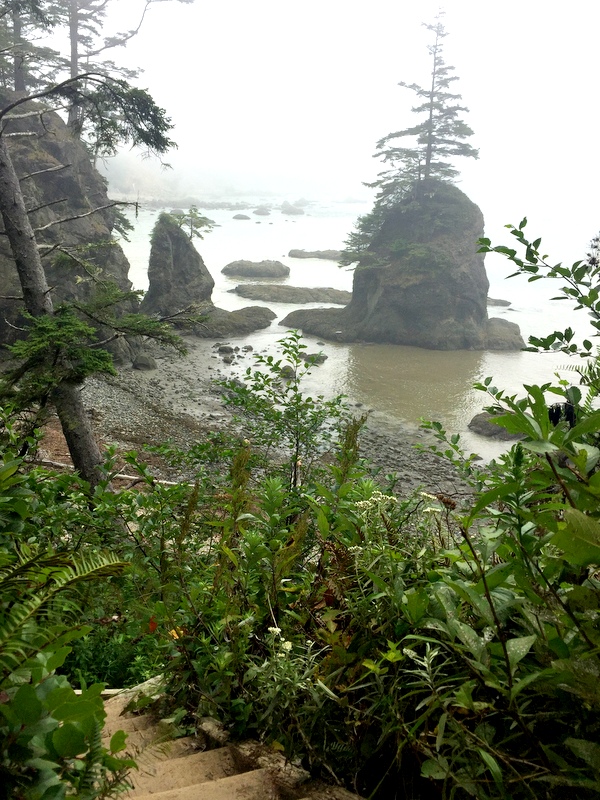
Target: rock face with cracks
x=70 y=209
x=421 y=281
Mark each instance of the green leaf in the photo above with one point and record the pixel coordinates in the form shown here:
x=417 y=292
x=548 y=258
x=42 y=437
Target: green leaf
x=518 y=648
x=493 y=767
x=77 y=710
x=231 y=555
x=118 y=741
x=26 y=705
x=69 y=741
x=579 y=538
x=587 y=751
x=57 y=659
x=433 y=769
x=591 y=424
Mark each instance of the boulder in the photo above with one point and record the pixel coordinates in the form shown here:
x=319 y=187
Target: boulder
x=420 y=282
x=482 y=425
x=503 y=335
x=491 y=301
x=143 y=362
x=274 y=293
x=288 y=208
x=241 y=216
x=219 y=323
x=177 y=274
x=262 y=211
x=326 y=255
x=256 y=269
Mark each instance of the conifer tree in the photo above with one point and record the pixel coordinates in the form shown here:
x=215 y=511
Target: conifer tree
x=435 y=140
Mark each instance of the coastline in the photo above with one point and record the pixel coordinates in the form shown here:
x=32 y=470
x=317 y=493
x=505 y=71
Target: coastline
x=180 y=401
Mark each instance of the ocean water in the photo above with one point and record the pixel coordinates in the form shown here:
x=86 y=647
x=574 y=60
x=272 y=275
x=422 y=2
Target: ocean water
x=401 y=385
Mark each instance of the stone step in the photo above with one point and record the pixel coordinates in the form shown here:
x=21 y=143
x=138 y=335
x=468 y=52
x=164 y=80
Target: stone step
x=139 y=722
x=141 y=739
x=176 y=773
x=255 y=785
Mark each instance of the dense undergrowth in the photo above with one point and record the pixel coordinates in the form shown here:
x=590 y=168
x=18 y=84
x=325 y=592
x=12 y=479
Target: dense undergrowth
x=406 y=648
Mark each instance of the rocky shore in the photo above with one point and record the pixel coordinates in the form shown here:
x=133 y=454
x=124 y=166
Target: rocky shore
x=180 y=401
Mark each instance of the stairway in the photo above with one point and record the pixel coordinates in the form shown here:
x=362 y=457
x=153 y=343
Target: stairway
x=207 y=766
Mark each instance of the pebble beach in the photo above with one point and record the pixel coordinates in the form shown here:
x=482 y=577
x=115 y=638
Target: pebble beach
x=181 y=400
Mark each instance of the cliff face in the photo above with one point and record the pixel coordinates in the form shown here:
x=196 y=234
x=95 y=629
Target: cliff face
x=421 y=282
x=177 y=274
x=58 y=182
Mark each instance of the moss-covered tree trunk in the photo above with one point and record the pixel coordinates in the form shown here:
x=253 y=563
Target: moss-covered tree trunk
x=66 y=397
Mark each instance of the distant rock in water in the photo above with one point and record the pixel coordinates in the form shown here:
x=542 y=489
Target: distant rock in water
x=262 y=211
x=240 y=216
x=326 y=255
x=503 y=335
x=482 y=424
x=221 y=323
x=275 y=293
x=420 y=282
x=492 y=302
x=177 y=274
x=288 y=208
x=256 y=269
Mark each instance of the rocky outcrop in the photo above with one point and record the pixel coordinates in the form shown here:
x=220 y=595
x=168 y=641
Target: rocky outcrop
x=273 y=293
x=262 y=211
x=219 y=323
x=421 y=281
x=63 y=188
x=288 y=208
x=240 y=216
x=177 y=274
x=256 y=269
x=503 y=335
x=483 y=425
x=326 y=255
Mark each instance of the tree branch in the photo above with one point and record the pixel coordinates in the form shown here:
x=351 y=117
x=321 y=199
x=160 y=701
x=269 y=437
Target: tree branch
x=44 y=171
x=120 y=39
x=86 y=214
x=47 y=205
x=94 y=77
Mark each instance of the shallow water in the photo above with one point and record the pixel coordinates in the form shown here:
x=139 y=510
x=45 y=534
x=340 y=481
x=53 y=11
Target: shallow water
x=401 y=384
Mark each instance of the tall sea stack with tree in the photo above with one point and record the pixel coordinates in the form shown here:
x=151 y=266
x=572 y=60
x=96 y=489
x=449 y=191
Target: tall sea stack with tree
x=419 y=279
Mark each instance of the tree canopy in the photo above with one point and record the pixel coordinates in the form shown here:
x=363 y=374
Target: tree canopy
x=435 y=140
x=420 y=153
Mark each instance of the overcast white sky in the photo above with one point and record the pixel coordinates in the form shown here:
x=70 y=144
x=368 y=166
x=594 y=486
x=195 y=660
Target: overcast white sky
x=292 y=96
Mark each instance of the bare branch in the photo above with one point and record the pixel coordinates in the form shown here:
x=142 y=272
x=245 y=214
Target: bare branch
x=121 y=39
x=81 y=216
x=47 y=205
x=44 y=171
x=11 y=297
x=14 y=327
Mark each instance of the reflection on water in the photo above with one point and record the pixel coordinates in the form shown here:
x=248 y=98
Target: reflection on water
x=403 y=385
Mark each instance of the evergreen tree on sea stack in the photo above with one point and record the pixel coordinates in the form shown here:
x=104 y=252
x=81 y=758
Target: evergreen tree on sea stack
x=440 y=136
x=421 y=153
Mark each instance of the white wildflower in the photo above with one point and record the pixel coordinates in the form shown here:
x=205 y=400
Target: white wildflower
x=274 y=631
x=287 y=646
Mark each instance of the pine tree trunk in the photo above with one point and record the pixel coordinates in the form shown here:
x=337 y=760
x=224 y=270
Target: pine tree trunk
x=18 y=58
x=74 y=120
x=66 y=397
